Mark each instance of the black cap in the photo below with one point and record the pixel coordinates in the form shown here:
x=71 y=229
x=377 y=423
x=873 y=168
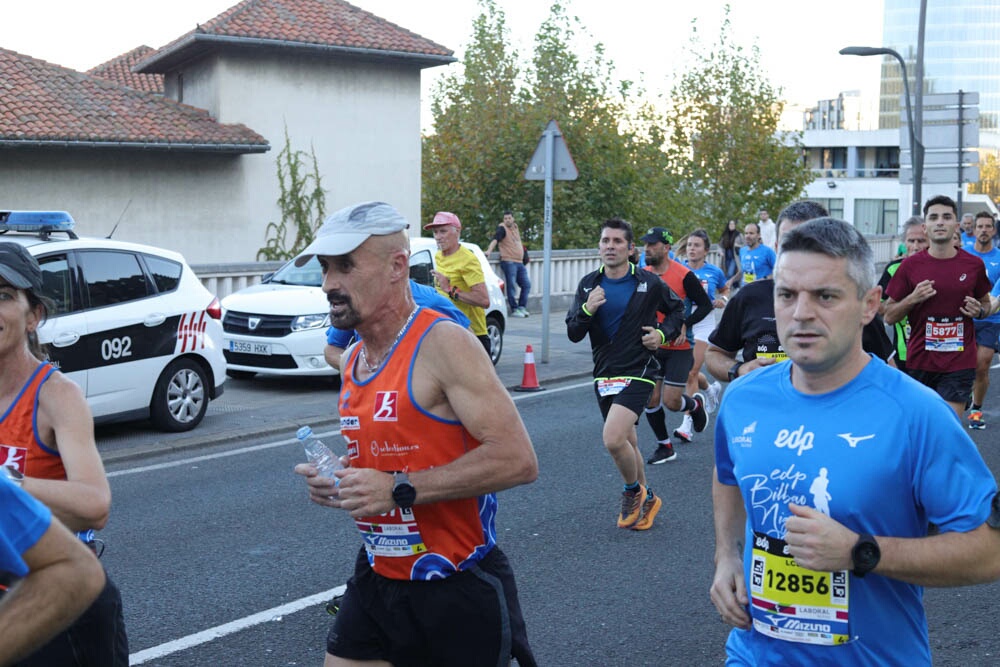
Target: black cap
x=658 y=235
x=19 y=268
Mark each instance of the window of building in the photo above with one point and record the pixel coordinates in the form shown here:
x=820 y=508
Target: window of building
x=835 y=162
x=834 y=206
x=876 y=216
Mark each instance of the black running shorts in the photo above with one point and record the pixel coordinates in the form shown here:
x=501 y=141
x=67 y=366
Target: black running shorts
x=470 y=619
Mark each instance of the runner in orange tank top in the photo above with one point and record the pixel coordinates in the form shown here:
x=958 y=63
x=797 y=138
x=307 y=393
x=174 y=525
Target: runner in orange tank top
x=432 y=436
x=47 y=435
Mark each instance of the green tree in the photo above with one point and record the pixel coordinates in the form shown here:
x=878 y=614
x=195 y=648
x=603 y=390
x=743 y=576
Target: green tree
x=489 y=117
x=724 y=140
x=473 y=165
x=302 y=202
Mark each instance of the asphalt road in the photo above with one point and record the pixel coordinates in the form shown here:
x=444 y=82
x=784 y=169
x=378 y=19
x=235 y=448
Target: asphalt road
x=224 y=534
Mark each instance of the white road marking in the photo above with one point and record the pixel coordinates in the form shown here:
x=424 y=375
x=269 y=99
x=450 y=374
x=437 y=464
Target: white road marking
x=220 y=631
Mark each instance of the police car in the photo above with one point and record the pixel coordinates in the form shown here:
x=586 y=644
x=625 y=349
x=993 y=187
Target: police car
x=131 y=324
x=279 y=326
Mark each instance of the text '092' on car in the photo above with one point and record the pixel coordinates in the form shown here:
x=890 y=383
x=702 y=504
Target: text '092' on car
x=131 y=324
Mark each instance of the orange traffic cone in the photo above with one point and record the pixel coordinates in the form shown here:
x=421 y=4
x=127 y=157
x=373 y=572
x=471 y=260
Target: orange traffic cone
x=529 y=381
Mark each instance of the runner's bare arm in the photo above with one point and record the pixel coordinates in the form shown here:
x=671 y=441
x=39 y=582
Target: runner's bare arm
x=728 y=591
x=64 y=580
x=83 y=499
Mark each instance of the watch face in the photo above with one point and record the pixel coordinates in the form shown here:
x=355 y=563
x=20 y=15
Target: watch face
x=867 y=553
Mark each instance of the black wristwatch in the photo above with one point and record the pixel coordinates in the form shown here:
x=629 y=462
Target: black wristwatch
x=403 y=492
x=866 y=555
x=13 y=474
x=734 y=370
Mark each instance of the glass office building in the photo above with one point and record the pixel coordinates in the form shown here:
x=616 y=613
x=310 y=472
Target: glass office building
x=961 y=52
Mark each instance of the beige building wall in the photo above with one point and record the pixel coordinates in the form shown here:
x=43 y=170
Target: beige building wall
x=362 y=118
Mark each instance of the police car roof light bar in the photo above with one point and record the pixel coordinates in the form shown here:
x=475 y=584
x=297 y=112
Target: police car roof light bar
x=41 y=222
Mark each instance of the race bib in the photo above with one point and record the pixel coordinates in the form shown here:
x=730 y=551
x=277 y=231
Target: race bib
x=792 y=603
x=612 y=386
x=944 y=335
x=749 y=277
x=395 y=534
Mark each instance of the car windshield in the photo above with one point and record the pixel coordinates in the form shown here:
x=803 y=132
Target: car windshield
x=309 y=275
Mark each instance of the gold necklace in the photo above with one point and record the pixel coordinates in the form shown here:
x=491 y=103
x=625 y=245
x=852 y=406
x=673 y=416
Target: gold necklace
x=364 y=346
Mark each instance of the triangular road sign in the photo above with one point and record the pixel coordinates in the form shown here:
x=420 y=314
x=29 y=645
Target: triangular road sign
x=563 y=167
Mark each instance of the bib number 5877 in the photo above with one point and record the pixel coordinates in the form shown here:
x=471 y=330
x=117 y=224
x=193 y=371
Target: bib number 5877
x=116 y=348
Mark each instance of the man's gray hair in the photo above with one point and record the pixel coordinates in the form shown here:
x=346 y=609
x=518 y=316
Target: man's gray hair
x=835 y=238
x=913 y=221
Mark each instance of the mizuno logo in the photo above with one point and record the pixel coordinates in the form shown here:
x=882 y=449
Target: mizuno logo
x=853 y=440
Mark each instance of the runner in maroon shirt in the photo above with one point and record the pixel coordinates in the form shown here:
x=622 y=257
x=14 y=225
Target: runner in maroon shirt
x=930 y=288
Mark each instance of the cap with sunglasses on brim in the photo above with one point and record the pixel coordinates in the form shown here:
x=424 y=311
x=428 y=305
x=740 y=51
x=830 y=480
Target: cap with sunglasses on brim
x=343 y=231
x=19 y=268
x=658 y=235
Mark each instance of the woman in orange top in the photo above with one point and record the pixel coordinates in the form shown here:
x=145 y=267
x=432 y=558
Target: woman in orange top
x=47 y=436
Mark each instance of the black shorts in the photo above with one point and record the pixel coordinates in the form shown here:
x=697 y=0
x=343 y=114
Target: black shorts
x=675 y=365
x=634 y=397
x=987 y=335
x=470 y=619
x=954 y=387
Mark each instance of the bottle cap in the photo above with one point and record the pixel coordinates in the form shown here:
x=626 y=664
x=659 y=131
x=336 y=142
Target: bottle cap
x=304 y=432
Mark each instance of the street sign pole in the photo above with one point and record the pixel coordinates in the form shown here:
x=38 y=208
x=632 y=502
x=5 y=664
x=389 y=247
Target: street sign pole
x=961 y=185
x=549 y=137
x=550 y=162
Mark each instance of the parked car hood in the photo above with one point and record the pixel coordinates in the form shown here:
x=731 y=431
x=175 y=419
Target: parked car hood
x=277 y=299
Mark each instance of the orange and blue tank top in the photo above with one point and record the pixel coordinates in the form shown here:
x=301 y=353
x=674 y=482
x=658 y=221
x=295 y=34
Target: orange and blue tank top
x=674 y=278
x=386 y=430
x=20 y=444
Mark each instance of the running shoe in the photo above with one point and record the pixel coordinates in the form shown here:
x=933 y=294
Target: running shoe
x=517 y=312
x=713 y=396
x=523 y=312
x=683 y=432
x=976 y=420
x=650 y=508
x=699 y=418
x=665 y=452
x=631 y=507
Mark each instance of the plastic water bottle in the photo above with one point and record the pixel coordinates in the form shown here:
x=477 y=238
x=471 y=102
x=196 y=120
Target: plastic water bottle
x=319 y=454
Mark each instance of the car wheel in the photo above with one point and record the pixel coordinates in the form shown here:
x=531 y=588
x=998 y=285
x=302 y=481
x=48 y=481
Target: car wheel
x=181 y=396
x=494 y=329
x=241 y=375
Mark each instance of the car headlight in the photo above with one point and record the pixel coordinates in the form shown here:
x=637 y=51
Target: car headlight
x=305 y=322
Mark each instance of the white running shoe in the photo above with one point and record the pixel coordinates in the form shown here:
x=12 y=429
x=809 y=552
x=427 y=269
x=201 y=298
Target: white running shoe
x=714 y=396
x=683 y=432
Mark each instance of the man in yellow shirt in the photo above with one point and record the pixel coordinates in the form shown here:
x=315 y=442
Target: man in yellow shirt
x=459 y=274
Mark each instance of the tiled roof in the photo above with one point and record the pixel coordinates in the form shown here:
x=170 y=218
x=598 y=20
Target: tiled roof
x=120 y=71
x=333 y=26
x=45 y=104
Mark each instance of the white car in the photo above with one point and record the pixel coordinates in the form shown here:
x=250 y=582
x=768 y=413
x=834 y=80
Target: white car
x=131 y=324
x=279 y=326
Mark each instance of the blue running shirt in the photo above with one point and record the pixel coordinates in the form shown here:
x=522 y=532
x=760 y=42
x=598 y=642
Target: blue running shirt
x=882 y=455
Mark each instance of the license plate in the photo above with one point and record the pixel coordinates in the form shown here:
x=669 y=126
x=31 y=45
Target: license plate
x=250 y=348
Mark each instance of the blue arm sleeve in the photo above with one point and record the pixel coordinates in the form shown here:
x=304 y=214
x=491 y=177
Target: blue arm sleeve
x=340 y=337
x=23 y=521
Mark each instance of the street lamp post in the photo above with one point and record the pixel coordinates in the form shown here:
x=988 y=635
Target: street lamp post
x=916 y=129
